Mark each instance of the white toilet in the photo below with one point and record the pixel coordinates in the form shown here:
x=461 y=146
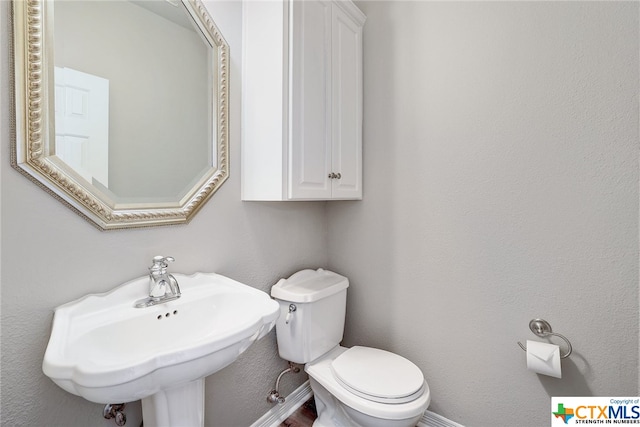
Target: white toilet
x=358 y=386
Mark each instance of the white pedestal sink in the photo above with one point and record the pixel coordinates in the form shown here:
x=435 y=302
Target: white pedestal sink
x=107 y=351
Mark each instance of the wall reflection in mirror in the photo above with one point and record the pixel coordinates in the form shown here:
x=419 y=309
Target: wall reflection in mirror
x=126 y=123
x=129 y=96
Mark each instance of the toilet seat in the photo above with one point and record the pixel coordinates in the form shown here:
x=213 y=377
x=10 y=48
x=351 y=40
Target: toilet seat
x=378 y=375
x=321 y=372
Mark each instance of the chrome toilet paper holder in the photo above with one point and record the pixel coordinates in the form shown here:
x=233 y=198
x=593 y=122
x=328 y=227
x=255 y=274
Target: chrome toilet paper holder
x=542 y=328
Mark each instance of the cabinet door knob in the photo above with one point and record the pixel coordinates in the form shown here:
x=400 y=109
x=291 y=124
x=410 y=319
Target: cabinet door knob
x=338 y=175
x=332 y=175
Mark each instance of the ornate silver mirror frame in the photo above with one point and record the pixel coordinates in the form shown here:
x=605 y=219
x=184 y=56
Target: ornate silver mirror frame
x=33 y=121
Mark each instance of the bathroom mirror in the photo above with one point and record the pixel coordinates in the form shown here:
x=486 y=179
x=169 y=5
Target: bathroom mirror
x=126 y=124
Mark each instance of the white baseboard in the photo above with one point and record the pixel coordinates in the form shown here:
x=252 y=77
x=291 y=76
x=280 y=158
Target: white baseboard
x=299 y=396
x=431 y=419
x=279 y=413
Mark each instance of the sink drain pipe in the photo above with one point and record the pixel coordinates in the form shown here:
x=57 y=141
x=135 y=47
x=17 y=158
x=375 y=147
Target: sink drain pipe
x=116 y=411
x=274 y=395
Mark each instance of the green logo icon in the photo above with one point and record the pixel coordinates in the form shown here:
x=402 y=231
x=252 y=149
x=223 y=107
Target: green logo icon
x=565 y=413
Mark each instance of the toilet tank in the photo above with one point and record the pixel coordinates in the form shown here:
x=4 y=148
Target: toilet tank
x=312 y=312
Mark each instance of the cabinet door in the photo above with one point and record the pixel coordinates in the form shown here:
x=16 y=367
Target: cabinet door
x=346 y=106
x=310 y=99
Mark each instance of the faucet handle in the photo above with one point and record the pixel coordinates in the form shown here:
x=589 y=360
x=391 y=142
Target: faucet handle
x=161 y=262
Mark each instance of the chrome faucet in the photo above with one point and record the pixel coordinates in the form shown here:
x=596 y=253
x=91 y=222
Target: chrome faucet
x=163 y=286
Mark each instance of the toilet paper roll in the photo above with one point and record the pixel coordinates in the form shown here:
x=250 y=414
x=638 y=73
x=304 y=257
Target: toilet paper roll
x=544 y=358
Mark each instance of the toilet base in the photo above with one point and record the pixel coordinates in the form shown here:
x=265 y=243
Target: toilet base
x=333 y=413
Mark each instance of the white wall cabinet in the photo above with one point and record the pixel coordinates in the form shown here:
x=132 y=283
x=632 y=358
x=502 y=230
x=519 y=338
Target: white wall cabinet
x=302 y=100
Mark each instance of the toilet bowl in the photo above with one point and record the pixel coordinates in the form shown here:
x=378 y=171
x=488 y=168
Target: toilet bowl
x=353 y=387
x=362 y=399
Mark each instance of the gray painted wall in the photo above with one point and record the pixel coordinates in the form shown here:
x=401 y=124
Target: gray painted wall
x=501 y=184
x=51 y=256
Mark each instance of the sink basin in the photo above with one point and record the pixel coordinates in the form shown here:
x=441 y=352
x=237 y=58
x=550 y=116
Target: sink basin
x=104 y=349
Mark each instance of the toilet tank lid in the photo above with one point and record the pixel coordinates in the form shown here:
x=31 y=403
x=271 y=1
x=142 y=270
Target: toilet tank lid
x=309 y=286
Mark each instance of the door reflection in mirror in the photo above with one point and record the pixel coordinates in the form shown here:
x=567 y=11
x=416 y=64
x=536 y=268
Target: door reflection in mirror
x=82 y=123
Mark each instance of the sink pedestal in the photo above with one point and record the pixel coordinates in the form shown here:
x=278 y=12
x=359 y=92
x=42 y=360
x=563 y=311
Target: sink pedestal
x=181 y=406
